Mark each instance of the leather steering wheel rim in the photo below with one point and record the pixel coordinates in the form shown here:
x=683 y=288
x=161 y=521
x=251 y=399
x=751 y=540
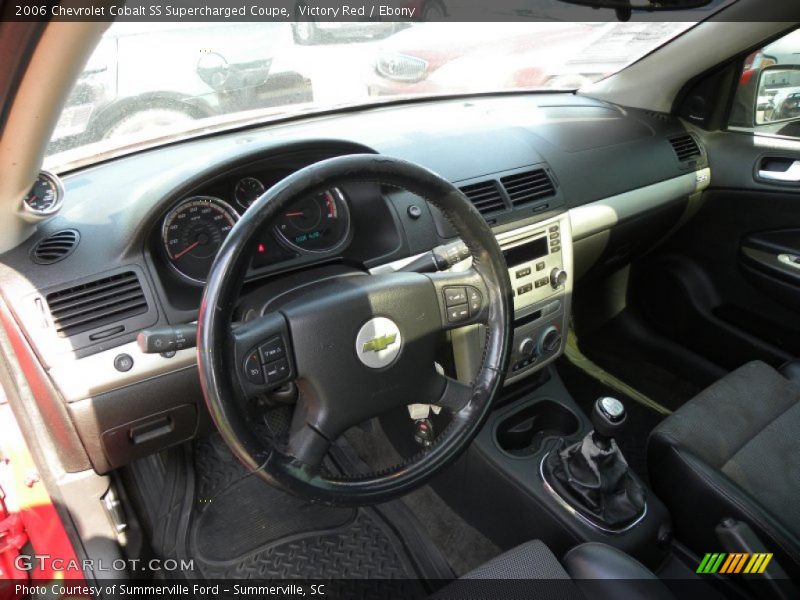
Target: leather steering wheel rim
x=215 y=348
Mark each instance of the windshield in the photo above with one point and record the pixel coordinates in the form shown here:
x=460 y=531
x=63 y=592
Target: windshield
x=149 y=83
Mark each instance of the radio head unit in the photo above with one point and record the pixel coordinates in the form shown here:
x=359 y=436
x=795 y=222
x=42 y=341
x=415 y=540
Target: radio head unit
x=535 y=265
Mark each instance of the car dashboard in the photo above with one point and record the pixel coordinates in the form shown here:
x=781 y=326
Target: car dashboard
x=572 y=188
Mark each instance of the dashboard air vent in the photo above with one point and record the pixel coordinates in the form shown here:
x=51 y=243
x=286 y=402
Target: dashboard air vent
x=96 y=303
x=523 y=188
x=685 y=147
x=55 y=247
x=485 y=196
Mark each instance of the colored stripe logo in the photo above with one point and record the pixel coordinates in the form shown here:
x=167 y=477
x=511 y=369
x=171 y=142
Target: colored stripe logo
x=736 y=562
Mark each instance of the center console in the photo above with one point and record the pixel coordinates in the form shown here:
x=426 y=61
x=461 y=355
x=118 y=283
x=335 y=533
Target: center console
x=539 y=259
x=532 y=452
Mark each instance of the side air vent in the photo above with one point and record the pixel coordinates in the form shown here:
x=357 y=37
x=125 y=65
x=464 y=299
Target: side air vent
x=685 y=147
x=527 y=187
x=96 y=303
x=485 y=195
x=55 y=247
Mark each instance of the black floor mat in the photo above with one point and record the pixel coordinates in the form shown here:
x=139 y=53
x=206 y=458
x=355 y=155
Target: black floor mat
x=241 y=527
x=641 y=420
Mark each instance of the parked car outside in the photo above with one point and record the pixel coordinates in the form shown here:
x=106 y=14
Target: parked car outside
x=429 y=59
x=161 y=75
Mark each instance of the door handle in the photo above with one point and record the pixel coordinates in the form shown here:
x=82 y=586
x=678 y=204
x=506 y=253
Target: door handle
x=790 y=175
x=791 y=260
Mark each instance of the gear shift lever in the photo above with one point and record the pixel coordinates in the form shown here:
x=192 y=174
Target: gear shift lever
x=593 y=476
x=608 y=418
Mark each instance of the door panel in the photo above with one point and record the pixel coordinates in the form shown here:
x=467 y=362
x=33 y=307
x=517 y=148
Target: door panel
x=726 y=285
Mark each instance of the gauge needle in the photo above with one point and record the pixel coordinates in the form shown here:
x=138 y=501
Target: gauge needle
x=297 y=213
x=186 y=250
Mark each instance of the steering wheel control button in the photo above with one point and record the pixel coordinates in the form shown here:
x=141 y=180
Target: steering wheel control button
x=378 y=342
x=414 y=211
x=277 y=371
x=123 y=363
x=459 y=313
x=253 y=370
x=475 y=301
x=454 y=296
x=272 y=350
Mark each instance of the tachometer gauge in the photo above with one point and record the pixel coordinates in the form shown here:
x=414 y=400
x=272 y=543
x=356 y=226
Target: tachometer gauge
x=247 y=190
x=193 y=232
x=46 y=195
x=317 y=223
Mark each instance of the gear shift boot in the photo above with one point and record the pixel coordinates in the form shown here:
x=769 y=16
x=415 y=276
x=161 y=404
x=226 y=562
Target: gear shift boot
x=592 y=475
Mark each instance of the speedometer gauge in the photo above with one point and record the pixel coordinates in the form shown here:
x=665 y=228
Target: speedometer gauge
x=193 y=232
x=317 y=223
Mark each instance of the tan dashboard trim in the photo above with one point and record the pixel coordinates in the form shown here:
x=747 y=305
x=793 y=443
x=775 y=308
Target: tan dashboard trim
x=94 y=375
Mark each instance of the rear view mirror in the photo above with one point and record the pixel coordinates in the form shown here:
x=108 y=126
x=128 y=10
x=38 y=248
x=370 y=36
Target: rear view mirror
x=778 y=94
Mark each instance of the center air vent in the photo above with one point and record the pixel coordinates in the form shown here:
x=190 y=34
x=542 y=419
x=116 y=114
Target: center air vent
x=97 y=303
x=527 y=187
x=485 y=196
x=685 y=147
x=55 y=247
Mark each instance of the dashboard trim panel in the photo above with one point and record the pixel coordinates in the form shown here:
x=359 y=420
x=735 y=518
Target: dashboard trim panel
x=92 y=375
x=604 y=214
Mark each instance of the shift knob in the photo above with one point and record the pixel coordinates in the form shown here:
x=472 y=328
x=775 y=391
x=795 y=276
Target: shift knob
x=608 y=416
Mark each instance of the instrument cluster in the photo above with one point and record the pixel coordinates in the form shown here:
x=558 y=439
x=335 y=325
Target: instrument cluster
x=193 y=231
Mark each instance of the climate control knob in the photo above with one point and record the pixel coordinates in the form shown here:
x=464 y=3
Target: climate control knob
x=558 y=277
x=527 y=347
x=550 y=341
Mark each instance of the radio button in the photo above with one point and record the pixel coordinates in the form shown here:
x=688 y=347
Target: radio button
x=553 y=228
x=523 y=272
x=555 y=235
x=524 y=289
x=555 y=248
x=454 y=296
x=540 y=266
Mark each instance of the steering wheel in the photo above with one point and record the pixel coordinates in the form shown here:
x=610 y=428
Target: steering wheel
x=356 y=345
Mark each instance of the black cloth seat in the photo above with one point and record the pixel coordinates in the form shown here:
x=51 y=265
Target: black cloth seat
x=588 y=571
x=733 y=451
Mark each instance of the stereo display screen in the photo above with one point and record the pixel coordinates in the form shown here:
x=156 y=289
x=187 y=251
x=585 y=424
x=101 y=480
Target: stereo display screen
x=526 y=252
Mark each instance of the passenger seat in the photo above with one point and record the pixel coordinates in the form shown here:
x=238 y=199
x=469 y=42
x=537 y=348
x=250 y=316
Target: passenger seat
x=733 y=452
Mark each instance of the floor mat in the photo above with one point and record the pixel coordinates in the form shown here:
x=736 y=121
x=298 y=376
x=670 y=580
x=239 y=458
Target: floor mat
x=640 y=420
x=241 y=527
x=463 y=546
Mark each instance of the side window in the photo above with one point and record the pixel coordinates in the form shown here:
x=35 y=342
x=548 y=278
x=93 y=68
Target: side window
x=767 y=98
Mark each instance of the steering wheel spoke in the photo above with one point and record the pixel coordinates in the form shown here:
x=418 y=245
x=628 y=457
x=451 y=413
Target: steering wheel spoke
x=456 y=395
x=463 y=297
x=262 y=354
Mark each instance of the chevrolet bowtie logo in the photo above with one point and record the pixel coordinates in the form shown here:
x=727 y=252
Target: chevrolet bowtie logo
x=380 y=343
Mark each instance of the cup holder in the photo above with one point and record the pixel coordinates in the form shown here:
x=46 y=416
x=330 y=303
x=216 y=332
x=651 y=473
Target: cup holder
x=522 y=432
